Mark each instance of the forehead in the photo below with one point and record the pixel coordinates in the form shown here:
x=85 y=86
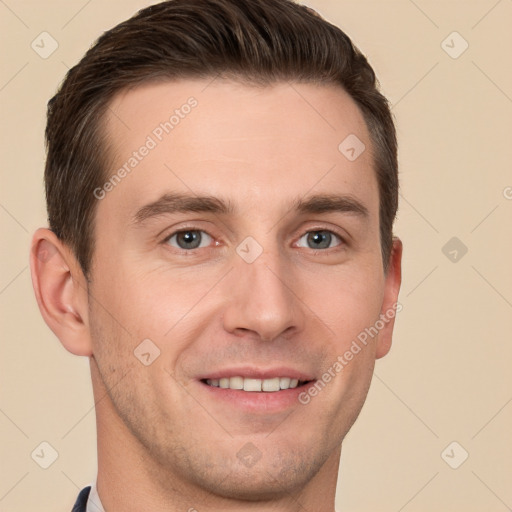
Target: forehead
x=219 y=137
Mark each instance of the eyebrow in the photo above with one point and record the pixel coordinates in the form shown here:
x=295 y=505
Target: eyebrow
x=183 y=203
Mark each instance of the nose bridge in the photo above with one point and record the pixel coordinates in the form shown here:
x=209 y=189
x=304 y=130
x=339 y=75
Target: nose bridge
x=262 y=298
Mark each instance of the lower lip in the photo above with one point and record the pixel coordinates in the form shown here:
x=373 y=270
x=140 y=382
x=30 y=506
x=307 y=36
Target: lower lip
x=257 y=401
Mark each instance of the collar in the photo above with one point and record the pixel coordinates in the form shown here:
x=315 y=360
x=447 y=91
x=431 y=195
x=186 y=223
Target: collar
x=94 y=502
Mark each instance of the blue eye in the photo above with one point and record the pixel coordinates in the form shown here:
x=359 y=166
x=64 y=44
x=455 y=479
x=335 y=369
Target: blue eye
x=320 y=239
x=189 y=239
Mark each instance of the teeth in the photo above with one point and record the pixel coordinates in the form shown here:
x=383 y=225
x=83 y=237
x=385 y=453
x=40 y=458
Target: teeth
x=252 y=384
x=236 y=383
x=266 y=385
x=271 y=384
x=284 y=382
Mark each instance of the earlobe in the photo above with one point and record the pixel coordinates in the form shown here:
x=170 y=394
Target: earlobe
x=390 y=304
x=61 y=291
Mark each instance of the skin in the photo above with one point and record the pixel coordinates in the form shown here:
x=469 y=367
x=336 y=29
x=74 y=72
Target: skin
x=164 y=442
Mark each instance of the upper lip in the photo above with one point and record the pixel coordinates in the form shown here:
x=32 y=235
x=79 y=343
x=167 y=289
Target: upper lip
x=258 y=373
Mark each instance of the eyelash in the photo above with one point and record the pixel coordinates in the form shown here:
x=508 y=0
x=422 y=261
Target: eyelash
x=341 y=244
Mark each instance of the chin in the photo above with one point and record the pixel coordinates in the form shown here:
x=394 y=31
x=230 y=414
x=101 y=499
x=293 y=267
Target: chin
x=272 y=473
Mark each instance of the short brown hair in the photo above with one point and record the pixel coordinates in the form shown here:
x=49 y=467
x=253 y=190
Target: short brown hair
x=255 y=41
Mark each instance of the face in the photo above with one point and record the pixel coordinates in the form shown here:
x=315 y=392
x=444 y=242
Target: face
x=243 y=246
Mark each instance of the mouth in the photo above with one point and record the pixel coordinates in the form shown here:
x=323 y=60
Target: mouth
x=255 y=390
x=252 y=385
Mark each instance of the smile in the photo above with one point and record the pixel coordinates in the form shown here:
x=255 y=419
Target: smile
x=255 y=385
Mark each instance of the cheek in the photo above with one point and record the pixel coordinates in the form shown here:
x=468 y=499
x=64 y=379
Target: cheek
x=350 y=307
x=143 y=303
x=349 y=303
x=150 y=311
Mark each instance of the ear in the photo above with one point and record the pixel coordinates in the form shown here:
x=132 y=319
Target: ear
x=390 y=305
x=61 y=291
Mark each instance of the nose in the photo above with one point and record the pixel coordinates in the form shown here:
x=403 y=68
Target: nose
x=263 y=298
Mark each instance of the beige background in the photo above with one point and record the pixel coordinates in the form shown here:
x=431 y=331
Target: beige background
x=448 y=375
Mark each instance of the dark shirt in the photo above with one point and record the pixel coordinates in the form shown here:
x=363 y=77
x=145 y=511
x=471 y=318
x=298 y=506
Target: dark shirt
x=81 y=502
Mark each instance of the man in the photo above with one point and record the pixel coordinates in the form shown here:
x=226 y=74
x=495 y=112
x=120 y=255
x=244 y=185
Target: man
x=221 y=185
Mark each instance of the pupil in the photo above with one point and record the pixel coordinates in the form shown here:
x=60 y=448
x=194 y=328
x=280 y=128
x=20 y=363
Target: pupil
x=189 y=238
x=321 y=239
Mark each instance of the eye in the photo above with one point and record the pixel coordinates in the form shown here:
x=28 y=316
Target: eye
x=320 y=239
x=189 y=239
